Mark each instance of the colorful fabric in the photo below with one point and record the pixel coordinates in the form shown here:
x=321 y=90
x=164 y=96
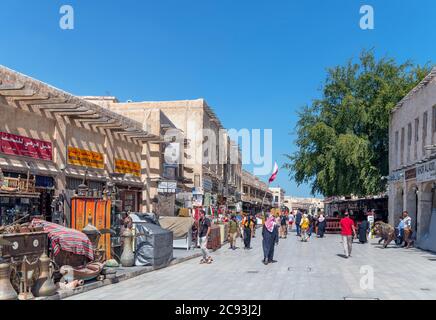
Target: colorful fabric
x=66 y=239
x=275 y=172
x=269 y=224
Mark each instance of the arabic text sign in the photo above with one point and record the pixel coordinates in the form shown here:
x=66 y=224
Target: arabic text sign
x=26 y=147
x=85 y=158
x=128 y=167
x=426 y=172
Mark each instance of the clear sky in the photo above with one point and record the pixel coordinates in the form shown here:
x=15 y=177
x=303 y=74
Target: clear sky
x=255 y=62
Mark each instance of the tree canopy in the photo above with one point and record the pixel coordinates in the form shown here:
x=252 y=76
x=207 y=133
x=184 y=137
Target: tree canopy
x=342 y=138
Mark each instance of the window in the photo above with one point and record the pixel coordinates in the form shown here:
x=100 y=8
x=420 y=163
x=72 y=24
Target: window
x=396 y=157
x=424 y=131
x=434 y=119
x=409 y=134
x=402 y=145
x=415 y=149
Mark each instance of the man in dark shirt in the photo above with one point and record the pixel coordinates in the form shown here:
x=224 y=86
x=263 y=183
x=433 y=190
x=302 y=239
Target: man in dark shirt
x=203 y=235
x=298 y=221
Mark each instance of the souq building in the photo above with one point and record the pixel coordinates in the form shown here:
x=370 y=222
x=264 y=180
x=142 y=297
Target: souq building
x=56 y=139
x=412 y=161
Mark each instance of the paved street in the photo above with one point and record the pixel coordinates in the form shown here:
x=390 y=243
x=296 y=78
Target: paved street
x=313 y=270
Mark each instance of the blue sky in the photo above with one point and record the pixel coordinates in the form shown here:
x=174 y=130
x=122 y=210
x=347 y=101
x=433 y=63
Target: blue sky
x=255 y=62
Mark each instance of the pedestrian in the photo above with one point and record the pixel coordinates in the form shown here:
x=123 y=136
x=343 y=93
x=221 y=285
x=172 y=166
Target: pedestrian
x=205 y=226
x=371 y=220
x=253 y=226
x=347 y=232
x=407 y=222
x=246 y=225
x=270 y=239
x=298 y=218
x=283 y=226
x=304 y=227
x=322 y=224
x=363 y=231
x=291 y=219
x=233 y=232
x=311 y=225
x=400 y=232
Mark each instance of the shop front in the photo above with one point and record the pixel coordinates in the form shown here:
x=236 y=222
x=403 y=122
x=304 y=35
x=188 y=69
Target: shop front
x=26 y=177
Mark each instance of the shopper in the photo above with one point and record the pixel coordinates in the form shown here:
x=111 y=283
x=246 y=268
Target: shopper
x=291 y=219
x=253 y=226
x=363 y=231
x=298 y=218
x=407 y=222
x=233 y=232
x=304 y=227
x=322 y=224
x=347 y=232
x=246 y=225
x=204 y=226
x=400 y=232
x=283 y=226
x=270 y=238
x=311 y=224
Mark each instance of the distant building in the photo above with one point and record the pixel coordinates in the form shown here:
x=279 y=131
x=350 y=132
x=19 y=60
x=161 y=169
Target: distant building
x=278 y=197
x=311 y=205
x=254 y=192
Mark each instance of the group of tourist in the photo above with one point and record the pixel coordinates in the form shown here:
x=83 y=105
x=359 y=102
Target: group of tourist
x=277 y=227
x=307 y=224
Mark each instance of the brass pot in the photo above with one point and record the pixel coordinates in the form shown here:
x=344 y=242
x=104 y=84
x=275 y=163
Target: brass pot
x=7 y=292
x=44 y=286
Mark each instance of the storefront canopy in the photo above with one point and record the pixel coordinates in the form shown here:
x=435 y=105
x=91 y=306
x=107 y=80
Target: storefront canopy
x=31 y=95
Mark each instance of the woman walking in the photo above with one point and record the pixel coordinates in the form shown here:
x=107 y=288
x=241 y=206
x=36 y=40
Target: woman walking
x=246 y=224
x=363 y=231
x=305 y=225
x=270 y=238
x=322 y=224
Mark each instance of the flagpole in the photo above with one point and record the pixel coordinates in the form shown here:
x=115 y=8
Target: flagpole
x=265 y=197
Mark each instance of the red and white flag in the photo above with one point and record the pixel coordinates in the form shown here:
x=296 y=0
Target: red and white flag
x=275 y=172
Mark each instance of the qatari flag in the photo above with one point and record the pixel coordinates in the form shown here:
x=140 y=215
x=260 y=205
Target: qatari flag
x=275 y=172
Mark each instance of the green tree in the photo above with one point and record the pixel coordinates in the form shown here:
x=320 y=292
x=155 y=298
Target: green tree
x=342 y=138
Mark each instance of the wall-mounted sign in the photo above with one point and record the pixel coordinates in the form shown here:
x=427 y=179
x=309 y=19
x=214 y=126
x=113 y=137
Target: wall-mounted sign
x=167 y=187
x=127 y=167
x=396 y=176
x=426 y=172
x=207 y=184
x=85 y=158
x=26 y=147
x=410 y=174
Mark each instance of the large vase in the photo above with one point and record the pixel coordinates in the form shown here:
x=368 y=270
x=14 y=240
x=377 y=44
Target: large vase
x=7 y=292
x=128 y=258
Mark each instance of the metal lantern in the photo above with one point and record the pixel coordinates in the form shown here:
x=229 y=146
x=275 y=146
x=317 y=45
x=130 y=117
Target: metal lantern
x=82 y=190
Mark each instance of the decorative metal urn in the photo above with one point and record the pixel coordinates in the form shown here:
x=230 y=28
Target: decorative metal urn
x=44 y=286
x=127 y=258
x=92 y=233
x=7 y=292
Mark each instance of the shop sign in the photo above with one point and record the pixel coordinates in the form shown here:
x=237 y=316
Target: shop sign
x=167 y=187
x=207 y=184
x=128 y=167
x=85 y=158
x=410 y=174
x=197 y=191
x=426 y=172
x=26 y=147
x=394 y=177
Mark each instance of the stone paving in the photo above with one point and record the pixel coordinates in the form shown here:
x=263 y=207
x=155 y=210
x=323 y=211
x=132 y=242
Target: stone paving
x=312 y=270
